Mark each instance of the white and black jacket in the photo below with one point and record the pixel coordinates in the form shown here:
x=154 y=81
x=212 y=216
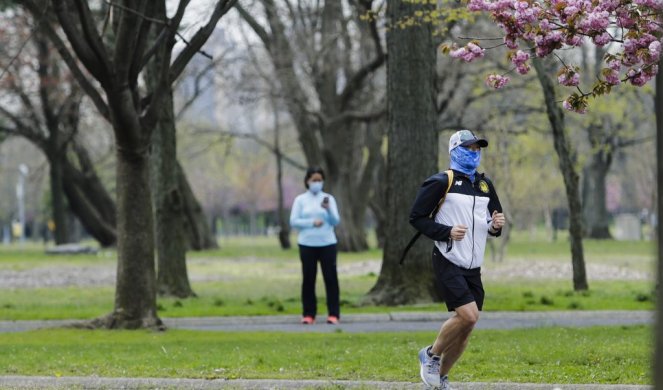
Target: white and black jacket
x=466 y=203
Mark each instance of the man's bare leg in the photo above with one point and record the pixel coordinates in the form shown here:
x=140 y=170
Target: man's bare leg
x=454 y=336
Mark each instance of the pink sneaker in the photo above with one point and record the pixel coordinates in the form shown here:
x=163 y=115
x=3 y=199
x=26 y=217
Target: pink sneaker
x=332 y=320
x=308 y=320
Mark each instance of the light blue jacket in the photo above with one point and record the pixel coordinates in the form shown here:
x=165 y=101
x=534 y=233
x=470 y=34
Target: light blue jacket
x=306 y=208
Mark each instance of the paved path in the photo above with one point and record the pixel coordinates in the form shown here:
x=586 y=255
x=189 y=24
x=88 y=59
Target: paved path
x=352 y=323
x=17 y=382
x=388 y=322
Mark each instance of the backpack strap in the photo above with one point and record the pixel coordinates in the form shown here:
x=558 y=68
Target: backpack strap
x=450 y=176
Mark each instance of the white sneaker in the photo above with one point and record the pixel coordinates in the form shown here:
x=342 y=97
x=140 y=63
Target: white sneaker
x=444 y=383
x=429 y=368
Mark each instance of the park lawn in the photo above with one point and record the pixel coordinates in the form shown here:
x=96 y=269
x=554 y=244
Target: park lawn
x=256 y=277
x=586 y=355
x=273 y=297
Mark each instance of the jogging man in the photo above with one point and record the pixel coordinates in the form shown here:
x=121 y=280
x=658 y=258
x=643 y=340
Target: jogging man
x=470 y=212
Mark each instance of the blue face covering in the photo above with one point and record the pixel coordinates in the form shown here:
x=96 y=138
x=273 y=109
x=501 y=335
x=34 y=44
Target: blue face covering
x=315 y=187
x=465 y=160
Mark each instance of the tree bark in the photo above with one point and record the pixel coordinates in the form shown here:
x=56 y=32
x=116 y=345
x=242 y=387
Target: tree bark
x=117 y=65
x=284 y=226
x=172 y=276
x=595 y=211
x=657 y=373
x=411 y=156
x=567 y=160
x=328 y=135
x=61 y=234
x=88 y=198
x=135 y=293
x=499 y=247
x=91 y=185
x=83 y=203
x=196 y=226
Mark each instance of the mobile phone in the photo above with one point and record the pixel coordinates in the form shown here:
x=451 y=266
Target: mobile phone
x=325 y=200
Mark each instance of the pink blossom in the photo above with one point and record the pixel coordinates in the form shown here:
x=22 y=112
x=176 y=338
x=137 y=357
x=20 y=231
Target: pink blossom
x=569 y=77
x=655 y=49
x=497 y=81
x=655 y=4
x=519 y=59
x=615 y=65
x=602 y=39
x=596 y=21
x=611 y=76
x=571 y=11
x=574 y=40
x=569 y=106
x=545 y=26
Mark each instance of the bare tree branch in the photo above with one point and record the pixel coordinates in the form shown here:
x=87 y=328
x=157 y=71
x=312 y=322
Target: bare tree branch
x=76 y=37
x=635 y=141
x=20 y=49
x=260 y=31
x=126 y=43
x=199 y=39
x=21 y=129
x=138 y=57
x=353 y=116
x=69 y=59
x=27 y=103
x=198 y=89
x=255 y=138
x=92 y=35
x=358 y=78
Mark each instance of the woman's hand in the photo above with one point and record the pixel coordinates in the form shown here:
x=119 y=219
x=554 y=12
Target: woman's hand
x=317 y=223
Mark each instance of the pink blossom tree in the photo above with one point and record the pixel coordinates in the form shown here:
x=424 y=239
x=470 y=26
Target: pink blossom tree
x=632 y=30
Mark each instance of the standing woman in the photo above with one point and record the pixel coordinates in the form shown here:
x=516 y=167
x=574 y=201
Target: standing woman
x=314 y=214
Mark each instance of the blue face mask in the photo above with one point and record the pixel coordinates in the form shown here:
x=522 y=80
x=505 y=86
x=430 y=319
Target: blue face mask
x=315 y=186
x=465 y=160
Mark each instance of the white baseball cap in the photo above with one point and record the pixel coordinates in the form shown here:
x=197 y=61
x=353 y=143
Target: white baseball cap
x=465 y=138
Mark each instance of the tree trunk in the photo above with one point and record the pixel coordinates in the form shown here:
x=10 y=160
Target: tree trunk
x=499 y=247
x=91 y=184
x=334 y=144
x=88 y=199
x=284 y=226
x=61 y=234
x=411 y=157
x=567 y=161
x=135 y=292
x=83 y=203
x=595 y=211
x=352 y=210
x=196 y=226
x=658 y=328
x=172 y=276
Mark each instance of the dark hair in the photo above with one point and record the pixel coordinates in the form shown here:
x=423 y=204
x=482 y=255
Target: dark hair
x=312 y=171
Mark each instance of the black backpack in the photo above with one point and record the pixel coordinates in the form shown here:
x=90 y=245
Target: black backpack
x=450 y=176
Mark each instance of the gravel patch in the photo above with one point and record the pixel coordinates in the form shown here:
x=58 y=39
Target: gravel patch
x=104 y=274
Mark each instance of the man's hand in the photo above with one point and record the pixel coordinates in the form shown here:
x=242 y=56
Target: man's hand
x=317 y=223
x=458 y=232
x=498 y=220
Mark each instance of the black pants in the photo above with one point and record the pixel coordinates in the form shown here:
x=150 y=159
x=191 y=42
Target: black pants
x=310 y=256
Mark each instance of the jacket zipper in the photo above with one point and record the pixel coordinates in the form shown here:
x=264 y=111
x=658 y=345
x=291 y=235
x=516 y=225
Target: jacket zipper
x=474 y=202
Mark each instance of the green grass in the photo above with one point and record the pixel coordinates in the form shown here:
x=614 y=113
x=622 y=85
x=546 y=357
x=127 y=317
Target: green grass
x=258 y=278
x=589 y=355
x=281 y=297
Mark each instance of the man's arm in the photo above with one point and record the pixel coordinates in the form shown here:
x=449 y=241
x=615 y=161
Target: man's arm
x=430 y=193
x=494 y=205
